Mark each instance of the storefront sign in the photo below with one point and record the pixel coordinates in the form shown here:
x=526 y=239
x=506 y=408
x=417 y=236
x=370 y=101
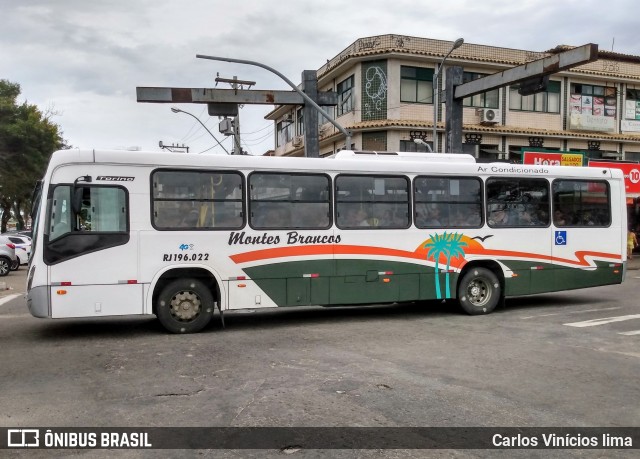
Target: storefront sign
x=560 y=158
x=631 y=173
x=586 y=122
x=630 y=126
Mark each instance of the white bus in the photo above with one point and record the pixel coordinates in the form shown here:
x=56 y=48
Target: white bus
x=178 y=235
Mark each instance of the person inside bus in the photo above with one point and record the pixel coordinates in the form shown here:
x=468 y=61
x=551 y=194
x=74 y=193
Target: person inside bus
x=559 y=218
x=498 y=215
x=189 y=214
x=277 y=215
x=527 y=216
x=428 y=216
x=354 y=217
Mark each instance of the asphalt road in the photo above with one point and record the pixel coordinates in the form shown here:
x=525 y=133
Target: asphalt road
x=570 y=359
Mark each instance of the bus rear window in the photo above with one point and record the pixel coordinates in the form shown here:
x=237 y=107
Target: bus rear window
x=581 y=203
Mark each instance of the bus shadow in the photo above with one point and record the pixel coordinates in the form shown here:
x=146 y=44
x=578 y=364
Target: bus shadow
x=244 y=319
x=285 y=317
x=542 y=301
x=290 y=317
x=111 y=327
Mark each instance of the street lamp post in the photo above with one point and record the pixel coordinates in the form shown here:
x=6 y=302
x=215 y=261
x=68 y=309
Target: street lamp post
x=456 y=44
x=422 y=142
x=177 y=110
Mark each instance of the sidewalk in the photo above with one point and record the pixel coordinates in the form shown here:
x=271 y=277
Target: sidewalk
x=635 y=263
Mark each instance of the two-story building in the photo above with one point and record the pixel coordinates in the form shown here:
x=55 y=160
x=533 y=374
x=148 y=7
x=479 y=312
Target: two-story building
x=385 y=97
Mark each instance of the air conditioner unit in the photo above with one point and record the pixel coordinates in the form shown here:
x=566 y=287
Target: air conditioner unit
x=297 y=141
x=489 y=116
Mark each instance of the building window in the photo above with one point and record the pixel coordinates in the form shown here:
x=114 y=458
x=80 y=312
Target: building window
x=488 y=99
x=374 y=141
x=322 y=118
x=345 y=96
x=632 y=155
x=416 y=85
x=469 y=149
x=547 y=101
x=300 y=121
x=285 y=132
x=593 y=100
x=632 y=105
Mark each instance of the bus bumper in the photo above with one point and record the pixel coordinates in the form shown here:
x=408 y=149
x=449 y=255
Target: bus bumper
x=38 y=301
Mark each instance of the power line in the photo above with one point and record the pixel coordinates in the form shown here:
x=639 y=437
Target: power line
x=195 y=123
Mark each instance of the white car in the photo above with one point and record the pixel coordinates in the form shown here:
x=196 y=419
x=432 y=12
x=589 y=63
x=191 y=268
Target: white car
x=23 y=248
x=8 y=258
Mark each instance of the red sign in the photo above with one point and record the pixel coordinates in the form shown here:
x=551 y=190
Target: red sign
x=541 y=158
x=631 y=173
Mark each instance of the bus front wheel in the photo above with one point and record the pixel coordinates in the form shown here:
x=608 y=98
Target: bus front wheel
x=479 y=291
x=185 y=306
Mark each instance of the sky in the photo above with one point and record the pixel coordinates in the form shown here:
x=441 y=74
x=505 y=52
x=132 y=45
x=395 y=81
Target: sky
x=80 y=61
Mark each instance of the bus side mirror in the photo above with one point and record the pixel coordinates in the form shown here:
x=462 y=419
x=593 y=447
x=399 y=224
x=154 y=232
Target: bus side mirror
x=76 y=200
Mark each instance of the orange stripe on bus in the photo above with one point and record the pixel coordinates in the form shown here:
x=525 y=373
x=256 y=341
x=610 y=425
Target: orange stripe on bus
x=301 y=251
x=459 y=262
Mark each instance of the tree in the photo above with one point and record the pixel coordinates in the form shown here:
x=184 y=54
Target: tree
x=28 y=137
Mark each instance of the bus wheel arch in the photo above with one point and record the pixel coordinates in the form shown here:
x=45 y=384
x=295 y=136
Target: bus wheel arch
x=184 y=299
x=480 y=287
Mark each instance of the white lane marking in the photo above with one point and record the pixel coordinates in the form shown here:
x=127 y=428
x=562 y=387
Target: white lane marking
x=8 y=298
x=606 y=320
x=630 y=333
x=570 y=312
x=13 y=316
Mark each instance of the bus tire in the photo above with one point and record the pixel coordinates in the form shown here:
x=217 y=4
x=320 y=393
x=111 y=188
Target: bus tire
x=479 y=291
x=185 y=306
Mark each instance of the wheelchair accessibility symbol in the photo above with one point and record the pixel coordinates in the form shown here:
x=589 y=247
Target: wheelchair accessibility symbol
x=561 y=238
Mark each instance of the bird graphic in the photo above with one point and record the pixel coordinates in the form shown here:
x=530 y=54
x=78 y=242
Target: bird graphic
x=482 y=238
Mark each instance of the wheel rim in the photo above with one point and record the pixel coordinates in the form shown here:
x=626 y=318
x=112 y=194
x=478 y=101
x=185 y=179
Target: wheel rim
x=479 y=292
x=185 y=306
x=4 y=267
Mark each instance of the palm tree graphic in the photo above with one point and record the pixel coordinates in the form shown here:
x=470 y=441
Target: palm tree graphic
x=452 y=246
x=454 y=249
x=437 y=244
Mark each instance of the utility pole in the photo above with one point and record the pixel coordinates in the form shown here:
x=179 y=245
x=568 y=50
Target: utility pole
x=224 y=102
x=235 y=85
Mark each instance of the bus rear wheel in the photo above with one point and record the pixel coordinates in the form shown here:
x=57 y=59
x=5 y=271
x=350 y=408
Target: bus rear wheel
x=185 y=306
x=479 y=291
